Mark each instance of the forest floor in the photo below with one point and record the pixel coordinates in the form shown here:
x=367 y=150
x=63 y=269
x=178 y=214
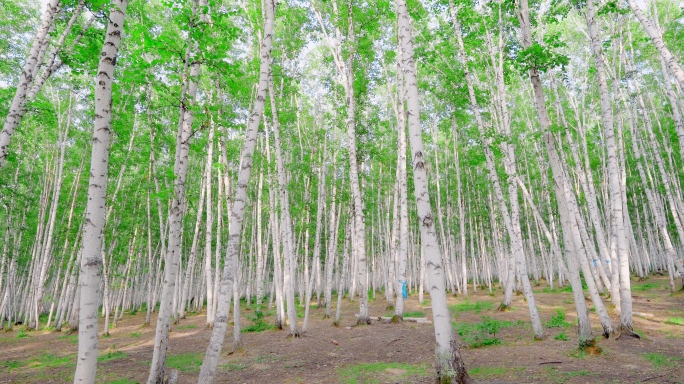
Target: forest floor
x=498 y=346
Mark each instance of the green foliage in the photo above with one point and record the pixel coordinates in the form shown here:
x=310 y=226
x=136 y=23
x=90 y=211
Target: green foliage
x=73 y=339
x=482 y=334
x=562 y=337
x=675 y=321
x=661 y=361
x=476 y=307
x=113 y=355
x=380 y=372
x=414 y=314
x=544 y=56
x=260 y=325
x=190 y=326
x=645 y=287
x=558 y=320
x=186 y=362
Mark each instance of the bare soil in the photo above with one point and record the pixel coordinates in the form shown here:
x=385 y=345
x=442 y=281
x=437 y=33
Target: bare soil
x=382 y=352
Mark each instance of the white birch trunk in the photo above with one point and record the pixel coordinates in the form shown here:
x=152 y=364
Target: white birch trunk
x=91 y=261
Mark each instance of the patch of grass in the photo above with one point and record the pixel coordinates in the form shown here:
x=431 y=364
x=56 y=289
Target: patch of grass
x=659 y=360
x=562 y=337
x=482 y=372
x=558 y=320
x=553 y=375
x=190 y=326
x=477 y=307
x=482 y=334
x=114 y=355
x=22 y=334
x=414 y=314
x=73 y=339
x=265 y=359
x=185 y=362
x=135 y=335
x=377 y=372
x=47 y=360
x=645 y=287
x=675 y=321
x=259 y=324
x=9 y=365
x=232 y=367
x=122 y=381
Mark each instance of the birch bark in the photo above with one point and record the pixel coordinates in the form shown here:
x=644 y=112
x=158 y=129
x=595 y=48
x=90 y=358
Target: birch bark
x=91 y=262
x=448 y=360
x=208 y=368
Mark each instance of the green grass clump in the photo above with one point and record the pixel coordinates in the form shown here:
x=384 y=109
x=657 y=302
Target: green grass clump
x=477 y=307
x=645 y=287
x=186 y=362
x=232 y=367
x=675 y=321
x=259 y=324
x=22 y=334
x=482 y=334
x=377 y=372
x=111 y=356
x=558 y=320
x=481 y=372
x=414 y=314
x=135 y=335
x=562 y=337
x=659 y=360
x=122 y=381
x=190 y=326
x=9 y=365
x=73 y=339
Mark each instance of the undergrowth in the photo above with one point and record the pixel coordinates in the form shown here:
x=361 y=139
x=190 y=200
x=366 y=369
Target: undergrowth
x=378 y=372
x=482 y=334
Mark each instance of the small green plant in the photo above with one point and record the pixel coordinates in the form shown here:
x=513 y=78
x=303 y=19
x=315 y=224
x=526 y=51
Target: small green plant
x=659 y=360
x=189 y=326
x=135 y=335
x=476 y=307
x=378 y=372
x=122 y=381
x=259 y=324
x=10 y=365
x=482 y=372
x=22 y=334
x=186 y=362
x=675 y=321
x=482 y=334
x=558 y=320
x=645 y=287
x=113 y=355
x=73 y=339
x=562 y=337
x=414 y=314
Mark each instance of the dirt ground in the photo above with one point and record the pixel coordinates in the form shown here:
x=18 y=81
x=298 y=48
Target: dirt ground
x=498 y=346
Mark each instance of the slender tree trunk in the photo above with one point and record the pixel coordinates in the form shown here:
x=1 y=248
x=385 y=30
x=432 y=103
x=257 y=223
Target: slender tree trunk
x=208 y=369
x=448 y=360
x=18 y=108
x=91 y=261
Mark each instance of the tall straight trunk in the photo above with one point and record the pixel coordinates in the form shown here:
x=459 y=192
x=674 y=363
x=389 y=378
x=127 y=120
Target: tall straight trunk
x=286 y=225
x=208 y=369
x=208 y=230
x=319 y=228
x=448 y=360
x=616 y=204
x=190 y=268
x=173 y=253
x=91 y=261
x=402 y=175
x=18 y=108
